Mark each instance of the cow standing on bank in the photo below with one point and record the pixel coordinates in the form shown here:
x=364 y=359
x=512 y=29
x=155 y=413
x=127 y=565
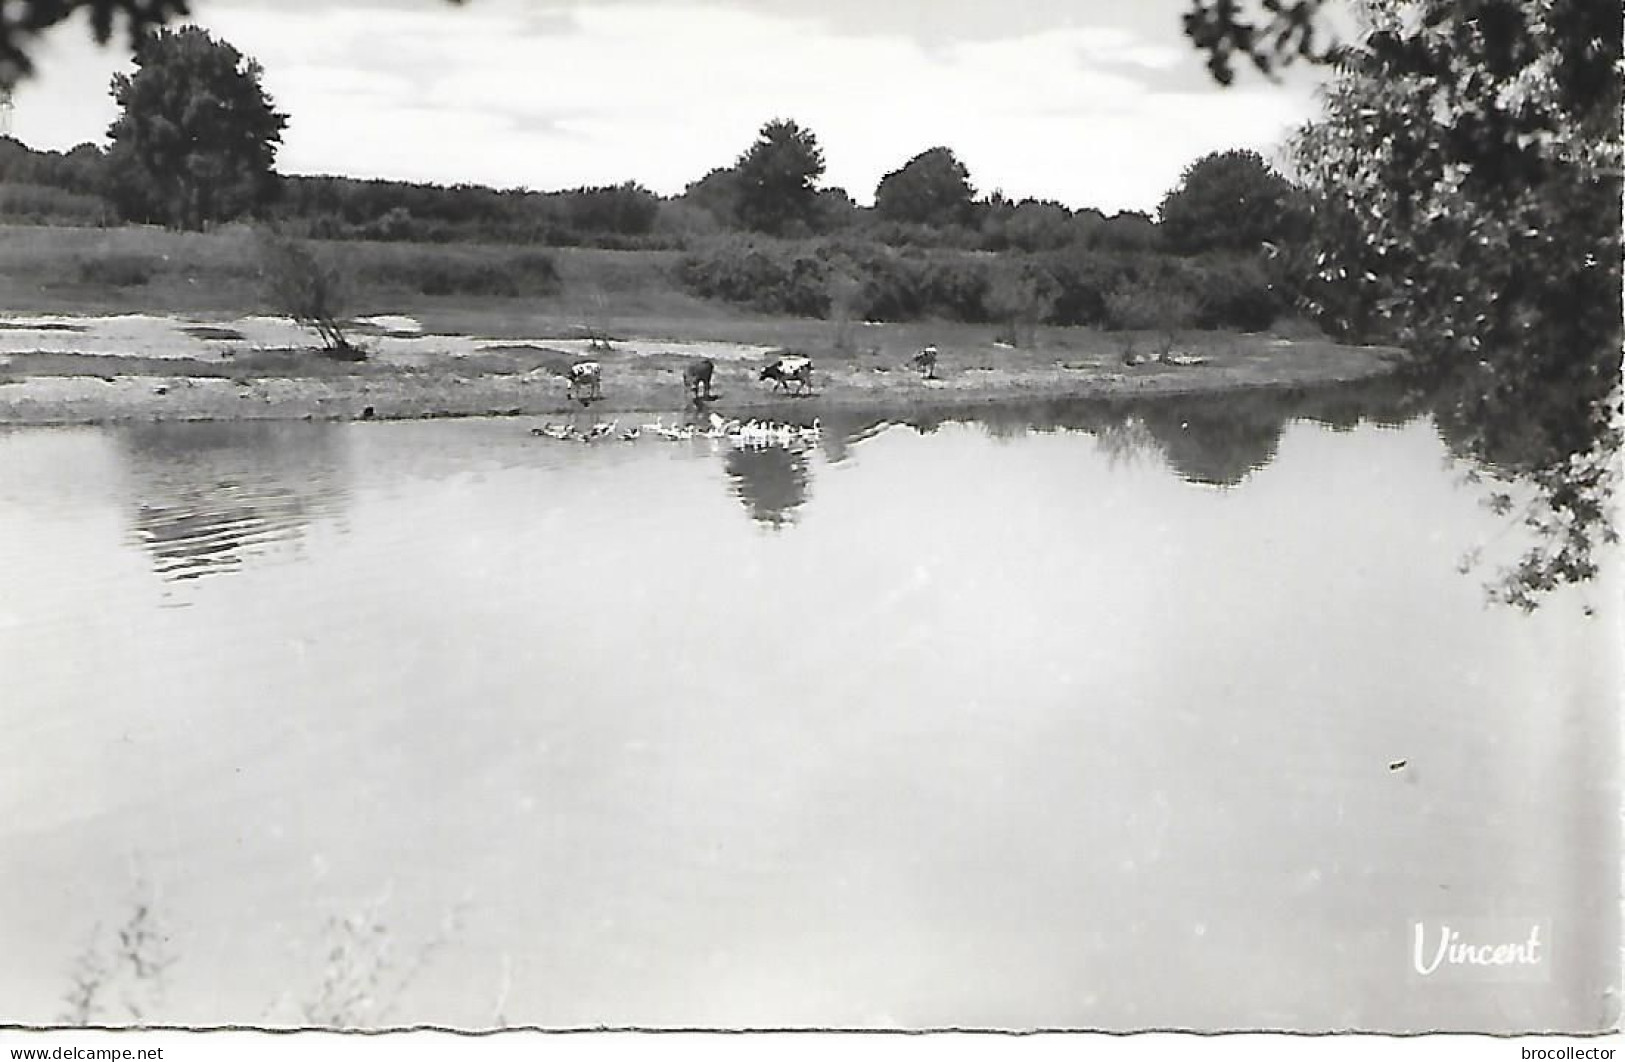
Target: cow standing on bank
x=586 y=380
x=697 y=378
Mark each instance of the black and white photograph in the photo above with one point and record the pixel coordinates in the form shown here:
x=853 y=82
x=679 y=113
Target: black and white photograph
x=526 y=517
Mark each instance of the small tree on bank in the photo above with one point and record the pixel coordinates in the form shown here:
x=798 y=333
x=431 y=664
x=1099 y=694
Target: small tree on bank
x=196 y=138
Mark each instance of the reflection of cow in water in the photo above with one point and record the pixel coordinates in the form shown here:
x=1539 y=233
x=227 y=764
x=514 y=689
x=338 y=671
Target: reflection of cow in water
x=790 y=368
x=697 y=378
x=926 y=362
x=586 y=380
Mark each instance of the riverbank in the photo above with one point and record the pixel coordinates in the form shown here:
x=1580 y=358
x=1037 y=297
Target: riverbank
x=64 y=369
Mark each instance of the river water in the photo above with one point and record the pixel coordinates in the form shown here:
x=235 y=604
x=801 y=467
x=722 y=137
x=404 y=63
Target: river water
x=1068 y=717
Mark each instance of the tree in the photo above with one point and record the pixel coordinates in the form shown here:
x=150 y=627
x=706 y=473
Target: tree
x=776 y=179
x=627 y=209
x=308 y=290
x=932 y=188
x=1126 y=230
x=1470 y=151
x=717 y=193
x=1231 y=201
x=1020 y=297
x=835 y=210
x=1038 y=225
x=197 y=136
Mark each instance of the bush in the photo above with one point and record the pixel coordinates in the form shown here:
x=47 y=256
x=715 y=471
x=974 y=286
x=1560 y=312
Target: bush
x=119 y=269
x=302 y=286
x=1083 y=280
x=627 y=209
x=453 y=276
x=1020 y=297
x=1138 y=306
x=955 y=288
x=817 y=280
x=430 y=271
x=53 y=206
x=1236 y=293
x=770 y=277
x=908 y=234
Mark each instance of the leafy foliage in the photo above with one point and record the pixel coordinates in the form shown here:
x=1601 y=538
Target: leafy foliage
x=1470 y=151
x=932 y=188
x=196 y=140
x=21 y=23
x=717 y=193
x=123 y=270
x=775 y=180
x=122 y=977
x=1020 y=297
x=1279 y=32
x=78 y=170
x=304 y=287
x=1231 y=201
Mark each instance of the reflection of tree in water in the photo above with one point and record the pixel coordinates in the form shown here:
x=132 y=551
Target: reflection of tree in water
x=1213 y=439
x=842 y=431
x=1217 y=439
x=1220 y=440
x=773 y=482
x=1215 y=446
x=210 y=495
x=1126 y=441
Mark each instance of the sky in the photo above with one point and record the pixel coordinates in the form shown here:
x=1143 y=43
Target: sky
x=1095 y=103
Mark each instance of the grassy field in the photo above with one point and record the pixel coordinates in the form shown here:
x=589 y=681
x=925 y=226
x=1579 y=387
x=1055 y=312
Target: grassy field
x=144 y=269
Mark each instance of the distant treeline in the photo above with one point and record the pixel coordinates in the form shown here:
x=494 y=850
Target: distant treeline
x=72 y=188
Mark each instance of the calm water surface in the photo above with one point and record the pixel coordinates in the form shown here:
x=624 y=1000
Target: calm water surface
x=946 y=724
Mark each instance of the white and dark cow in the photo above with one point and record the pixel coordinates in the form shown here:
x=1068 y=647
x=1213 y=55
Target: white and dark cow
x=697 y=378
x=586 y=380
x=926 y=362
x=788 y=369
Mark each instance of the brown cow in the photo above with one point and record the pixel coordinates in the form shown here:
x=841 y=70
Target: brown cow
x=697 y=377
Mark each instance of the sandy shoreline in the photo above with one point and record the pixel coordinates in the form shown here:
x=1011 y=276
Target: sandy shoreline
x=58 y=369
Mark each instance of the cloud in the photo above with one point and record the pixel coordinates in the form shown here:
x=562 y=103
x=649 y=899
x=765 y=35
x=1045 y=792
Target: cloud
x=511 y=93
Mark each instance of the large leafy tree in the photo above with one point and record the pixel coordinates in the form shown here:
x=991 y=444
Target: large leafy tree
x=1470 y=158
x=775 y=180
x=1231 y=201
x=196 y=138
x=932 y=188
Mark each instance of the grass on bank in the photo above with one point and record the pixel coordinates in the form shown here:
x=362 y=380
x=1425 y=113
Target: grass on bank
x=149 y=269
